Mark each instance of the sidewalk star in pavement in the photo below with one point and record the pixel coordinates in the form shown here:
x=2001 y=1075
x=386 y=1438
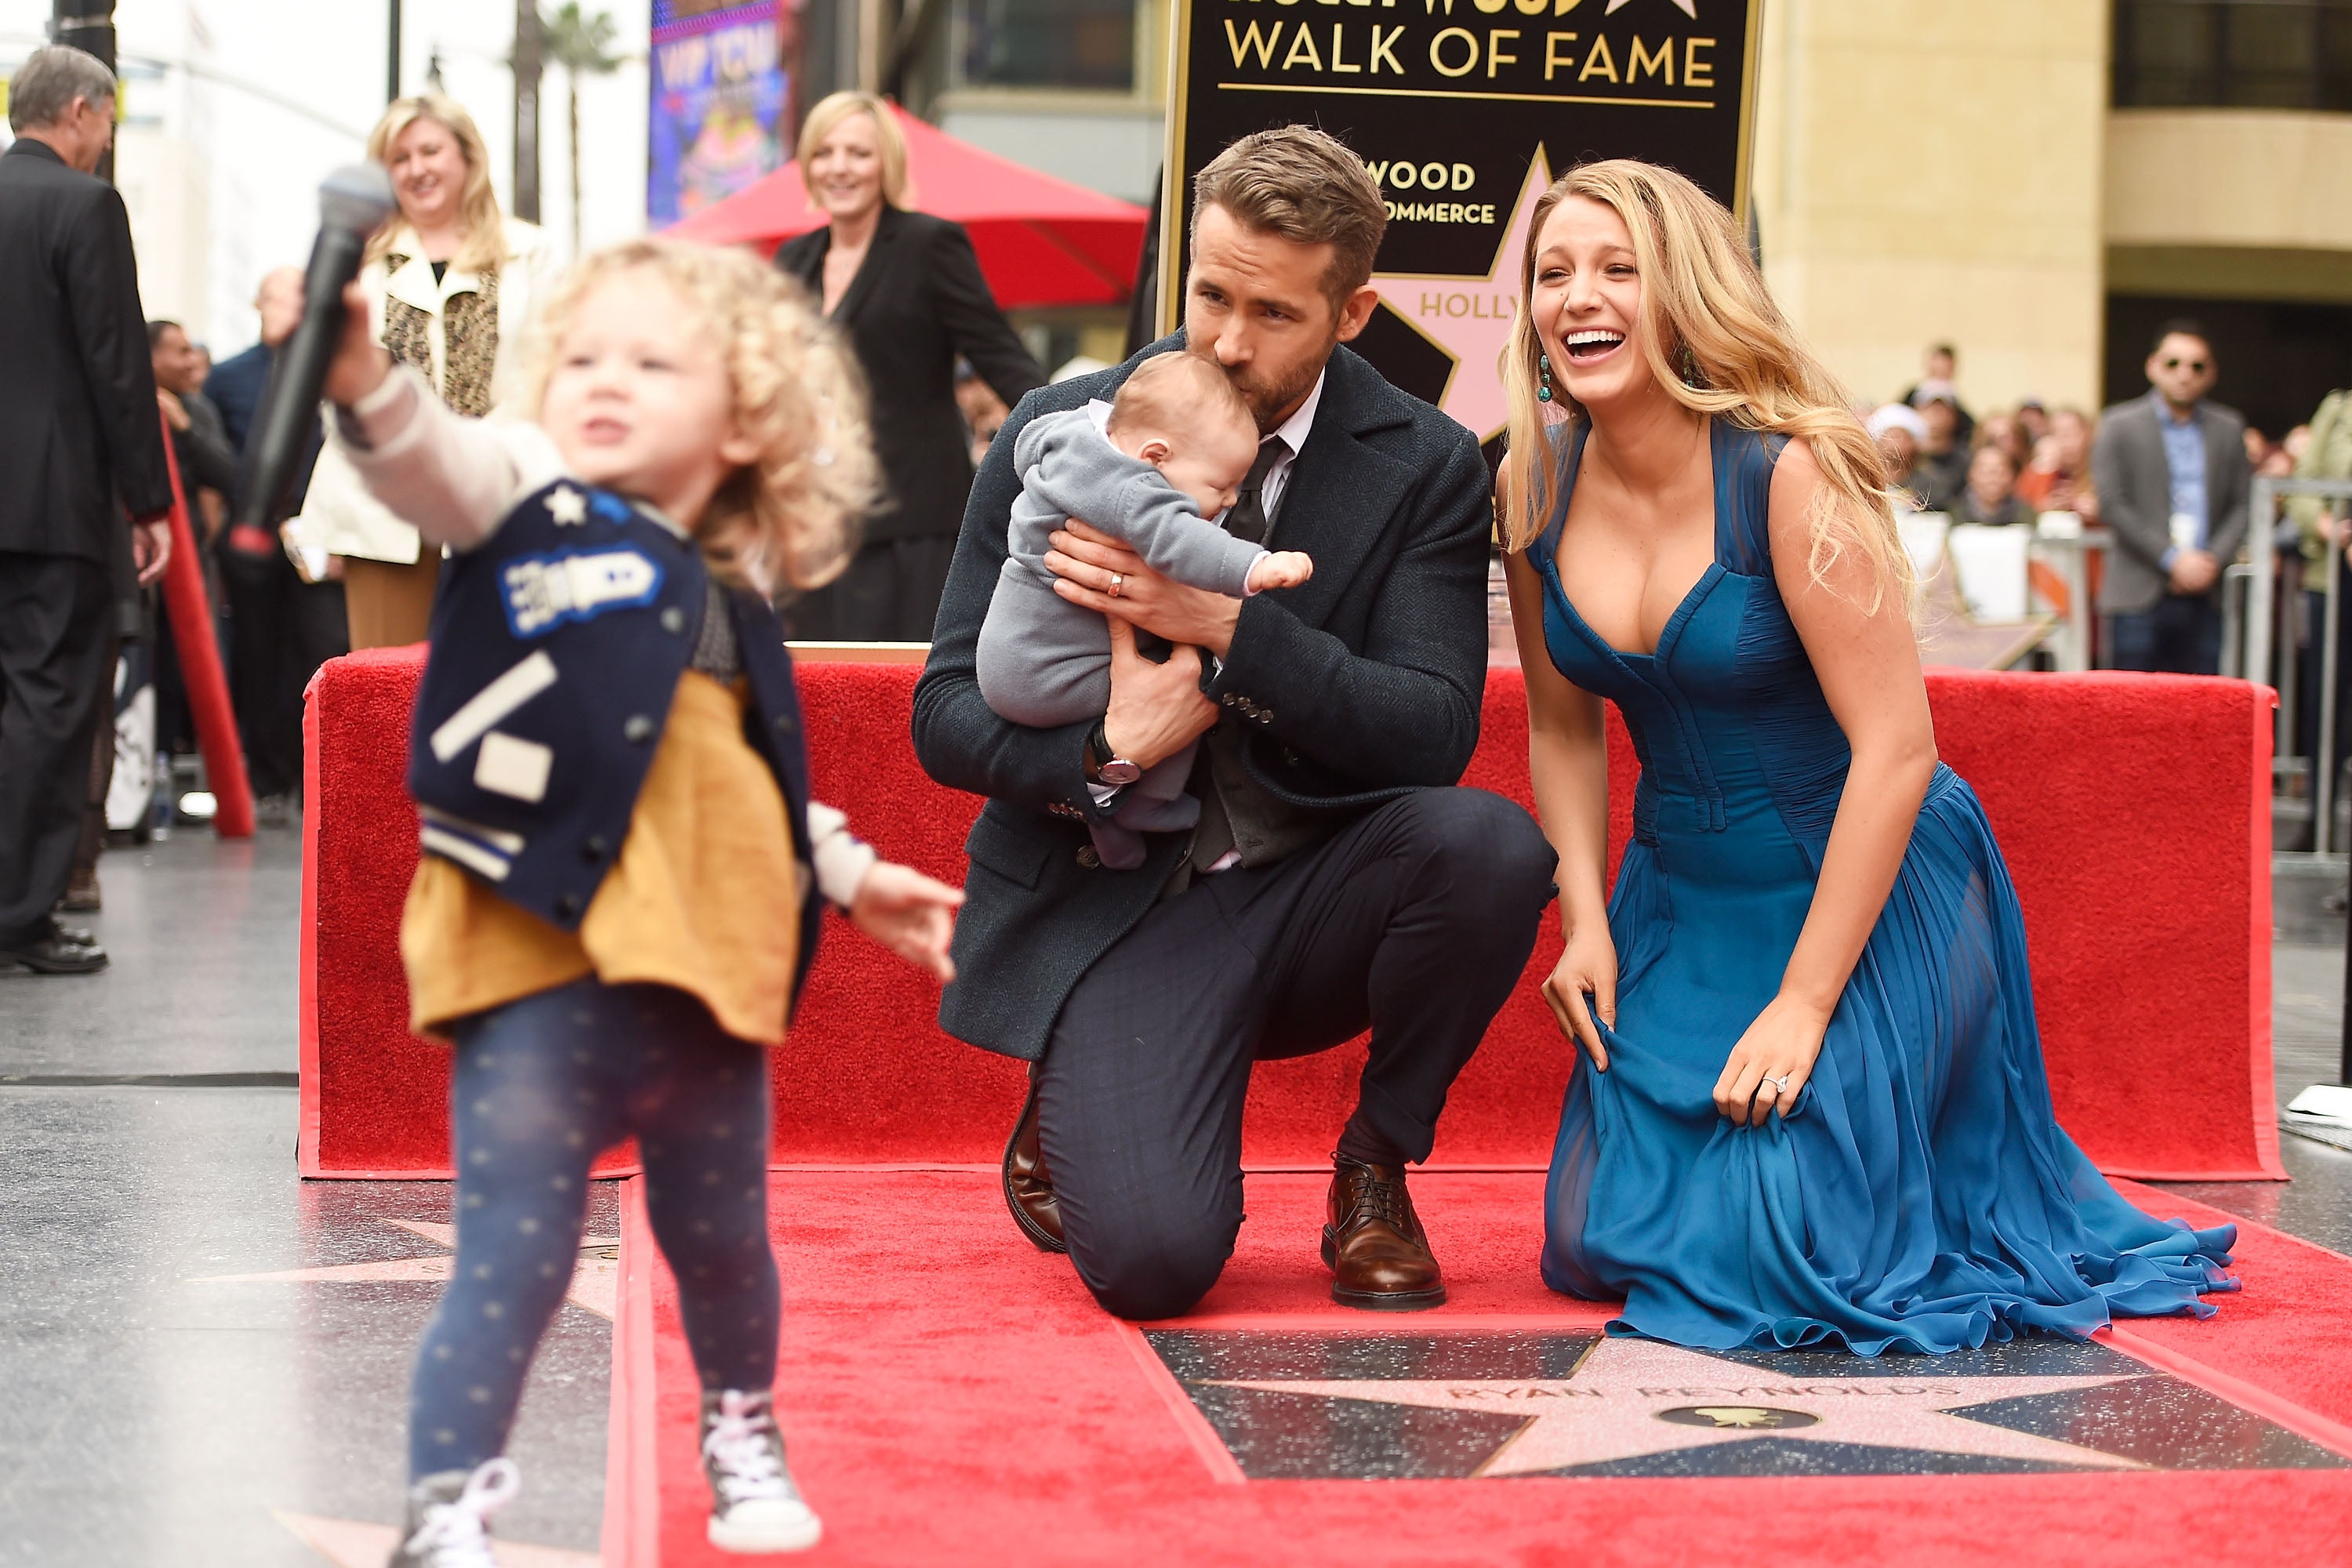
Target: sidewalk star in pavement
x=1630 y=1398
x=1565 y=1399
x=595 y=1280
x=348 y=1543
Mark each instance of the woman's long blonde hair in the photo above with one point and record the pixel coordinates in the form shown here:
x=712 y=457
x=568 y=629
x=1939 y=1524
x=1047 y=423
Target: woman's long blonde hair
x=1717 y=343
x=790 y=517
x=478 y=208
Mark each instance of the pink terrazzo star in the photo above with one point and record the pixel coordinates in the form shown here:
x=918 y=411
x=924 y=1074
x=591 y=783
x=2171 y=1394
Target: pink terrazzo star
x=1629 y=1398
x=595 y=1280
x=350 y=1543
x=1471 y=317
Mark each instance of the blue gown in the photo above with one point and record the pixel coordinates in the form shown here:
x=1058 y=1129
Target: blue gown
x=1920 y=1195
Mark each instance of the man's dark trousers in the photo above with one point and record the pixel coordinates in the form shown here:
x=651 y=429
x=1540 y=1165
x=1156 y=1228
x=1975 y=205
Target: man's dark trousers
x=1414 y=921
x=2181 y=635
x=57 y=633
x=281 y=629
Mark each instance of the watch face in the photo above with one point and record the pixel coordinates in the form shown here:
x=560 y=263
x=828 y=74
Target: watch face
x=1119 y=771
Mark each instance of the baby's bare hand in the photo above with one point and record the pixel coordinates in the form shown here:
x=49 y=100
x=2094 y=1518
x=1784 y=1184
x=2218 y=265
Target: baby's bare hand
x=1280 y=569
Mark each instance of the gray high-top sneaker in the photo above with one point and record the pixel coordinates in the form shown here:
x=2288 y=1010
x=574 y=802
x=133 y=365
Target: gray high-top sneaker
x=754 y=1507
x=449 y=1517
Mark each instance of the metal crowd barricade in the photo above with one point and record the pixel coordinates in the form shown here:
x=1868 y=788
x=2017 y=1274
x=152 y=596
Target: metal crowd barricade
x=2066 y=545
x=2265 y=615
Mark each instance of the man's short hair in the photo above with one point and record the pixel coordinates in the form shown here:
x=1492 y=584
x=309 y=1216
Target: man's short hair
x=1173 y=390
x=1946 y=350
x=48 y=82
x=2181 y=326
x=157 y=328
x=1305 y=186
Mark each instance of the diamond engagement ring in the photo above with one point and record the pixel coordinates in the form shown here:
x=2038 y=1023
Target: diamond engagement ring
x=1780 y=1085
x=1117 y=583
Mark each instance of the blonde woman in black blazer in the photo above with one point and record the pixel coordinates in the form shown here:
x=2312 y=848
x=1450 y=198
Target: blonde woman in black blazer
x=908 y=289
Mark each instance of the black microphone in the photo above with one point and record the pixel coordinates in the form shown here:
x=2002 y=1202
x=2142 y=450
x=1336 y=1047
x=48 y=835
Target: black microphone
x=353 y=203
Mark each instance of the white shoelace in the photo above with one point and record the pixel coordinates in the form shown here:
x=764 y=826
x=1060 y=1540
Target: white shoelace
x=749 y=1465
x=454 y=1534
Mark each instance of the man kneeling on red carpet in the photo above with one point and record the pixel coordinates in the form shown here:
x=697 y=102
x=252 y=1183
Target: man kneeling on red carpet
x=1334 y=881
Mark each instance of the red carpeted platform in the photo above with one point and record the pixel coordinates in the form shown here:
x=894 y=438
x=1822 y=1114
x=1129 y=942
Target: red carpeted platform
x=2133 y=810
x=951 y=1395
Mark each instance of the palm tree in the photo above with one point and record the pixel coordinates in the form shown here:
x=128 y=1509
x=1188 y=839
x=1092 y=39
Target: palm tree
x=581 y=43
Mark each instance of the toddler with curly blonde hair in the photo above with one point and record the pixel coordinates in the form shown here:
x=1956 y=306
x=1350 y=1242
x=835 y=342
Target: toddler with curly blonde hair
x=611 y=915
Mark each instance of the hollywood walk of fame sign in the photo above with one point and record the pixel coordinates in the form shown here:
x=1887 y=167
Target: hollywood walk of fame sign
x=1300 y=1406
x=1463 y=111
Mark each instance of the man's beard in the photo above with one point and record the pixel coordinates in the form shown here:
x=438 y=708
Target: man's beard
x=1271 y=403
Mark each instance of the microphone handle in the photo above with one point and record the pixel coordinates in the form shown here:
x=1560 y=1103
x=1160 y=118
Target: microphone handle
x=291 y=397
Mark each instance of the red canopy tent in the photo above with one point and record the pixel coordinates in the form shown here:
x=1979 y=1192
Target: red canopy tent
x=1041 y=240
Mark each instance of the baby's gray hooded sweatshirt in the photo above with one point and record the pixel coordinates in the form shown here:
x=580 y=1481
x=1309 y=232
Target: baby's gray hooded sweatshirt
x=1043 y=660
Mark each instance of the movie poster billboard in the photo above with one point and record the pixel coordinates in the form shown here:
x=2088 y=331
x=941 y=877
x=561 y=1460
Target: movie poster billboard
x=721 y=91
x=1464 y=112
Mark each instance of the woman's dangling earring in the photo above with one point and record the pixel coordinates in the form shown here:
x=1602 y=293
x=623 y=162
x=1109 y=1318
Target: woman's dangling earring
x=1690 y=368
x=1543 y=368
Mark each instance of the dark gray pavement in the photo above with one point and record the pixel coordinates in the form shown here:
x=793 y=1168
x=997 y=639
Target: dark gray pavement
x=151 y=1411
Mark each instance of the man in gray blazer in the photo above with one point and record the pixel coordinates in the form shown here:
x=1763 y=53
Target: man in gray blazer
x=2172 y=479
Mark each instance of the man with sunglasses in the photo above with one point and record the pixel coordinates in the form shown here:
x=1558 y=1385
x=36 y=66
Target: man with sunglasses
x=2171 y=474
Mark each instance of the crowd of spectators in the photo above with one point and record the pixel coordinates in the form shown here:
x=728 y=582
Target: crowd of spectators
x=2176 y=467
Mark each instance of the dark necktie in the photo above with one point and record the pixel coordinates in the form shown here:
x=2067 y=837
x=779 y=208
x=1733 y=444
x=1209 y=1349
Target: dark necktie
x=1245 y=519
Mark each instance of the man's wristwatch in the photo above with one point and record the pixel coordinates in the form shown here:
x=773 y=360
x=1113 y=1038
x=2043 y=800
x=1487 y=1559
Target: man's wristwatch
x=1105 y=767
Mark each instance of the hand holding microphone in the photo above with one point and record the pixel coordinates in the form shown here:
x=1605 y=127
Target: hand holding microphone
x=353 y=203
x=360 y=362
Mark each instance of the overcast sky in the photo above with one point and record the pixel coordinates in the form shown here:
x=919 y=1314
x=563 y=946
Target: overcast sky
x=284 y=91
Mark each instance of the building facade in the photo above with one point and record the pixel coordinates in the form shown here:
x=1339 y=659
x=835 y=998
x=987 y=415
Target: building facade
x=2038 y=182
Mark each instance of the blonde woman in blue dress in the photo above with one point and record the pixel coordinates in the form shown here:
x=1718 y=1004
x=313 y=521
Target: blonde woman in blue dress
x=1814 y=1110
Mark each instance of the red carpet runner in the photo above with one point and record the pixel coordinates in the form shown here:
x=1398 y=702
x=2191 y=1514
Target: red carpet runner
x=952 y=1396
x=2134 y=812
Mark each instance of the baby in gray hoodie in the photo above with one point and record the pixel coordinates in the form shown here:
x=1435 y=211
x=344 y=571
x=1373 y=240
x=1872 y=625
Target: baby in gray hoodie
x=1151 y=469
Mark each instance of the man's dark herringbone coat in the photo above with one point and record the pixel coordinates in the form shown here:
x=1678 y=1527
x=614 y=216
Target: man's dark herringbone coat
x=1369 y=680
x=78 y=425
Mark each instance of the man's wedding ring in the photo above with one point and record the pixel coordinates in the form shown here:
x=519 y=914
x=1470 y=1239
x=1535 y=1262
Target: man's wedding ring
x=1117 y=583
x=1780 y=1085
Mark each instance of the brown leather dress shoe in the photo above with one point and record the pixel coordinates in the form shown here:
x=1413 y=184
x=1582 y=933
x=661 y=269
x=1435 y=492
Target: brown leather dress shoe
x=1028 y=1189
x=1378 y=1254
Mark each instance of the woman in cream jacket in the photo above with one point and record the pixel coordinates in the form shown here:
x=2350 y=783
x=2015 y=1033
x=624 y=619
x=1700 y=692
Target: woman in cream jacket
x=451 y=282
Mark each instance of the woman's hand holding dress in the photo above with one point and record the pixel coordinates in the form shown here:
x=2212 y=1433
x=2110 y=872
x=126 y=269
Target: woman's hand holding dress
x=1587 y=968
x=1781 y=1045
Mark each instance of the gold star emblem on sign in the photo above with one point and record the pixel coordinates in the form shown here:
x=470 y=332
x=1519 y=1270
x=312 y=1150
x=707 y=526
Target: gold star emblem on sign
x=1470 y=318
x=1629 y=1399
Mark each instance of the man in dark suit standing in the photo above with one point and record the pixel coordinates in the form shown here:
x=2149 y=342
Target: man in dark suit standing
x=81 y=440
x=1335 y=882
x=2172 y=478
